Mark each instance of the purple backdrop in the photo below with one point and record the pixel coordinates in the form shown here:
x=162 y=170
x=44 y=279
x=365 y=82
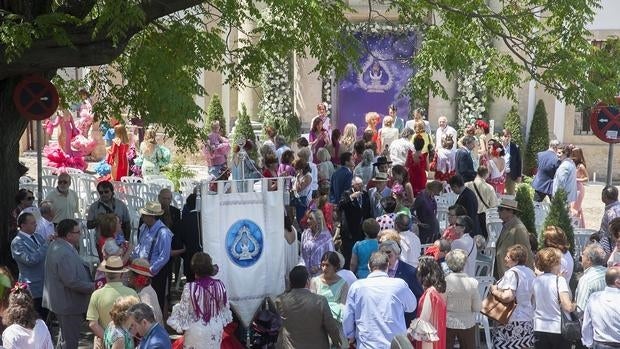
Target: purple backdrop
x=385 y=71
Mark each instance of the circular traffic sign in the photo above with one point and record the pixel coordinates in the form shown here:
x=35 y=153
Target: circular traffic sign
x=35 y=98
x=605 y=122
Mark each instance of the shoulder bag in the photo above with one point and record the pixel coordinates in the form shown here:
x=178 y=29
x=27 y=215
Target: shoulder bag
x=495 y=309
x=570 y=326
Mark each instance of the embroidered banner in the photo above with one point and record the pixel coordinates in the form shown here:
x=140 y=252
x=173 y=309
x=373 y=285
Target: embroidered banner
x=243 y=232
x=385 y=72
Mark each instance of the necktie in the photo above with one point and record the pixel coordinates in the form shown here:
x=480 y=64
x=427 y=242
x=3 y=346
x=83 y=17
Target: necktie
x=34 y=239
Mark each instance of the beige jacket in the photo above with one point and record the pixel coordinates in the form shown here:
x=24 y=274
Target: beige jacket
x=487 y=194
x=513 y=232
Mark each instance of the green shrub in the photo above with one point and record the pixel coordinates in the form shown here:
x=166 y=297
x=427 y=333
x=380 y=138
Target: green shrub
x=177 y=170
x=244 y=130
x=513 y=123
x=524 y=197
x=538 y=140
x=215 y=112
x=559 y=216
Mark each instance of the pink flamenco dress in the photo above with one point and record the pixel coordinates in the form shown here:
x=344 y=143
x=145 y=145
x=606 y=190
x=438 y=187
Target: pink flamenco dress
x=81 y=141
x=62 y=155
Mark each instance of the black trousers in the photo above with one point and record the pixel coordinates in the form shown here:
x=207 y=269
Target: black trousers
x=546 y=340
x=540 y=196
x=159 y=283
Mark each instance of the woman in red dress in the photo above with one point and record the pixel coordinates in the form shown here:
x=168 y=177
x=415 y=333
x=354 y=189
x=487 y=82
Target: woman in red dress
x=432 y=305
x=117 y=154
x=417 y=165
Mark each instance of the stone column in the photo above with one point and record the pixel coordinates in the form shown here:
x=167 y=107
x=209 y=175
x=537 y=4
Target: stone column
x=248 y=95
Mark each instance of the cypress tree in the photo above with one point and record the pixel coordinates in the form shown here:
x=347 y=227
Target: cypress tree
x=559 y=217
x=526 y=205
x=243 y=130
x=215 y=112
x=513 y=123
x=538 y=140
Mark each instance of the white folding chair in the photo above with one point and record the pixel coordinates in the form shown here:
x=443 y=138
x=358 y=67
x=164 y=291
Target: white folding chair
x=541 y=210
x=187 y=185
x=46 y=190
x=131 y=179
x=25 y=180
x=442 y=217
x=491 y=214
x=71 y=170
x=484 y=285
x=484 y=268
x=494 y=227
x=135 y=202
x=88 y=246
x=582 y=236
x=49 y=181
x=48 y=171
x=163 y=183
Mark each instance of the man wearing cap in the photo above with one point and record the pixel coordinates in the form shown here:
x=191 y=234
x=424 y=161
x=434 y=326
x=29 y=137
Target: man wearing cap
x=68 y=283
x=139 y=278
x=341 y=179
x=154 y=243
x=101 y=301
x=382 y=165
x=513 y=232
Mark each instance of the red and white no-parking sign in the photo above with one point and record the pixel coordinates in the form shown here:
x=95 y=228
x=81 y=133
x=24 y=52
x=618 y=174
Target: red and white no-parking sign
x=605 y=122
x=35 y=98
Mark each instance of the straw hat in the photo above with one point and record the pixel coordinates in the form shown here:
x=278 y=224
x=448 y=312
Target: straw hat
x=140 y=266
x=510 y=204
x=152 y=208
x=114 y=264
x=380 y=177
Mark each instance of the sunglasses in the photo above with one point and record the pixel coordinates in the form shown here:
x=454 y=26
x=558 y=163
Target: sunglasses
x=460 y=225
x=63 y=182
x=104 y=191
x=30 y=198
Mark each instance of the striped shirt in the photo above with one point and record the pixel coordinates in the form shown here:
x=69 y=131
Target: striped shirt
x=611 y=211
x=593 y=280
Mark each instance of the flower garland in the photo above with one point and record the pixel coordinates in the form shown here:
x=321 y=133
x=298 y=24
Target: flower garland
x=472 y=95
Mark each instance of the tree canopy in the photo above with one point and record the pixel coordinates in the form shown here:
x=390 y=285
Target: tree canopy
x=157 y=49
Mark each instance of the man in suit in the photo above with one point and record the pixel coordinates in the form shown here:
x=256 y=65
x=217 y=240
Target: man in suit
x=172 y=220
x=547 y=163
x=306 y=317
x=463 y=160
x=28 y=250
x=402 y=270
x=341 y=179
x=514 y=164
x=353 y=208
x=376 y=306
x=68 y=283
x=513 y=232
x=468 y=199
x=142 y=323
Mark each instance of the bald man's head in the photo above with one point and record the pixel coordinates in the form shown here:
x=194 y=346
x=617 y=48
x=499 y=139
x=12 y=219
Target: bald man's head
x=612 y=277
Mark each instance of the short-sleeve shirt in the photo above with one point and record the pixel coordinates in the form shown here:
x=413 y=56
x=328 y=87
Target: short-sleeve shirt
x=363 y=249
x=65 y=206
x=113 y=333
x=101 y=301
x=547 y=313
x=524 y=311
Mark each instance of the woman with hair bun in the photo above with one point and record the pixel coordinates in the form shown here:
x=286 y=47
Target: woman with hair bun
x=25 y=330
x=203 y=311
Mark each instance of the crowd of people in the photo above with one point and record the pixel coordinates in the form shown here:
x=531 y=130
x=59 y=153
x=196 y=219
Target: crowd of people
x=368 y=262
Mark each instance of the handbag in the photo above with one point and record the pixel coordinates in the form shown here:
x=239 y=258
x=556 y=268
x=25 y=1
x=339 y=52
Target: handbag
x=570 y=327
x=497 y=310
x=422 y=331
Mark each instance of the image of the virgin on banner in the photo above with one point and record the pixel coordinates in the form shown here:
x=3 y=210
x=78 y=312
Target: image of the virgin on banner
x=243 y=234
x=385 y=71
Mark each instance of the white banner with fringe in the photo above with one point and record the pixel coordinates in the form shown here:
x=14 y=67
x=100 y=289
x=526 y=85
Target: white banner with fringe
x=243 y=233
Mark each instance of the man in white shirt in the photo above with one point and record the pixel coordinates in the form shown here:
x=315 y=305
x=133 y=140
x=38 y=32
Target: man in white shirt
x=443 y=130
x=487 y=198
x=45 y=224
x=375 y=309
x=601 y=319
x=64 y=200
x=410 y=244
x=400 y=147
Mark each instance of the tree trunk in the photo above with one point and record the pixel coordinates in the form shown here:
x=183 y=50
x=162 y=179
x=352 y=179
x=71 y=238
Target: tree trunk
x=12 y=126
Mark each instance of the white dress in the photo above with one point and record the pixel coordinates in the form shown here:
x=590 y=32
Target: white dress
x=18 y=337
x=197 y=334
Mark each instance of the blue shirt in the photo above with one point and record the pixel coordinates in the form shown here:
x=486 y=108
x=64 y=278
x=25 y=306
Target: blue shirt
x=154 y=245
x=375 y=310
x=363 y=249
x=155 y=338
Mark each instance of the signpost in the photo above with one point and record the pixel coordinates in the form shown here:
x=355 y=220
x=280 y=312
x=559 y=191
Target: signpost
x=36 y=98
x=605 y=123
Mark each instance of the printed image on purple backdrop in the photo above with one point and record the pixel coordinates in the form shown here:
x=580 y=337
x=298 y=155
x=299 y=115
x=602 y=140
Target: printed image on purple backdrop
x=385 y=70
